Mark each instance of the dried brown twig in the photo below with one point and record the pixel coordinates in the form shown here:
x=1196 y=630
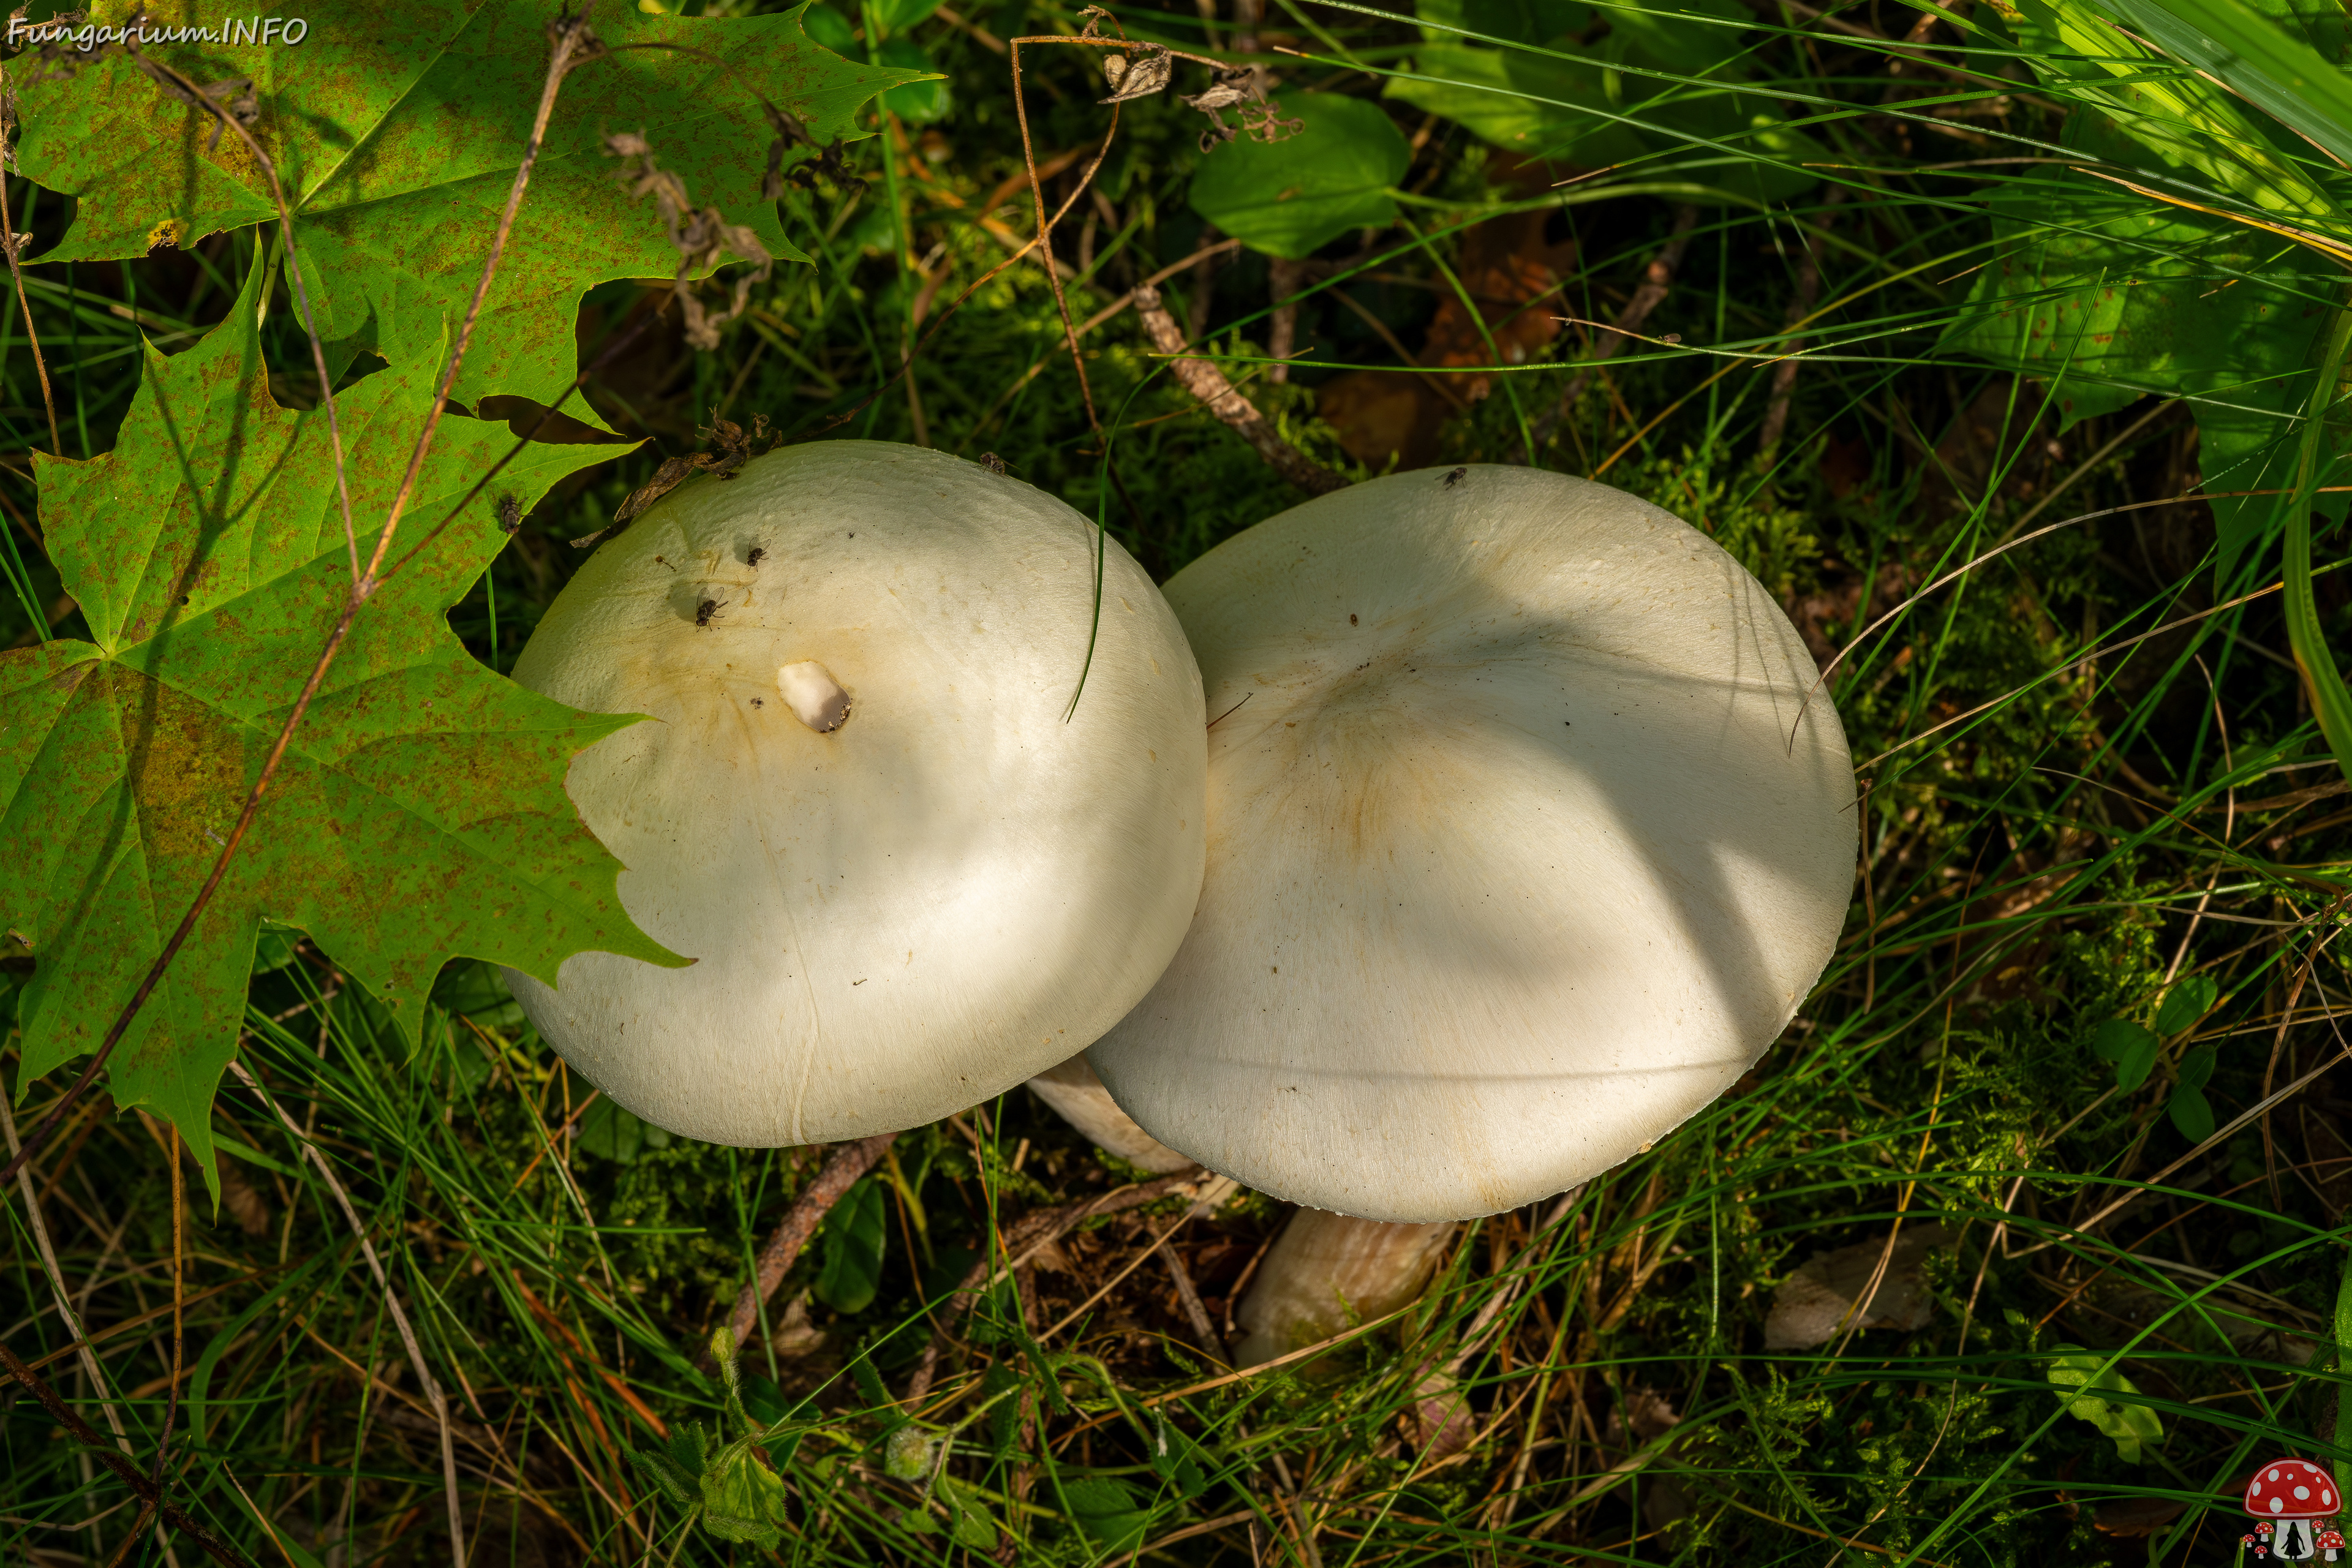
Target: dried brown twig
x=1204 y=381
x=848 y=1163
x=220 y=1550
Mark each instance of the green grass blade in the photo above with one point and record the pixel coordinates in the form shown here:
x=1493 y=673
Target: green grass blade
x=2255 y=57
x=2330 y=698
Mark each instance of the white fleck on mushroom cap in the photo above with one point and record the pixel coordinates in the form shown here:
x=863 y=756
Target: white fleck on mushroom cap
x=947 y=891
x=1523 y=844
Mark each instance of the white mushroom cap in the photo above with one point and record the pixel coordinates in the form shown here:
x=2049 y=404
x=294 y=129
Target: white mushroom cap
x=1524 y=843
x=899 y=911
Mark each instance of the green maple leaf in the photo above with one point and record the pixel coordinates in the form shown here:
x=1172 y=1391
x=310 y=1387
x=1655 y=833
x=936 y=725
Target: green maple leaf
x=397 y=130
x=419 y=813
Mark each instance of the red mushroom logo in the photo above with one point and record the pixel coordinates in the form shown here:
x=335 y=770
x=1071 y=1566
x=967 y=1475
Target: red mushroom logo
x=2331 y=1542
x=2293 y=1493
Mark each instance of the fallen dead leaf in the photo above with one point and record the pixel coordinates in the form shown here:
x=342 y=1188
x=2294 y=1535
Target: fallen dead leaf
x=1506 y=269
x=2134 y=1517
x=1817 y=1302
x=1380 y=413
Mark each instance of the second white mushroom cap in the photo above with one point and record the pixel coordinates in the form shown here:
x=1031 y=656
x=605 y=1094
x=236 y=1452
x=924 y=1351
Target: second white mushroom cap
x=1525 y=842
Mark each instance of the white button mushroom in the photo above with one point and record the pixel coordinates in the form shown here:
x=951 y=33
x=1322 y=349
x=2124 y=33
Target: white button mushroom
x=1524 y=843
x=912 y=873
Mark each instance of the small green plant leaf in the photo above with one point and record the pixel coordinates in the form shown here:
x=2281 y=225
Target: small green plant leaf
x=2077 y=1377
x=1519 y=102
x=208 y=556
x=2189 y=1000
x=868 y=1382
x=850 y=1269
x=763 y=1401
x=2131 y=1047
x=916 y=103
x=1664 y=81
x=612 y=1134
x=1107 y=1509
x=1331 y=174
x=2191 y=1113
x=2179 y=116
x=742 y=1500
x=397 y=131
x=675 y=1469
x=975 y=1527
x=1177 y=1459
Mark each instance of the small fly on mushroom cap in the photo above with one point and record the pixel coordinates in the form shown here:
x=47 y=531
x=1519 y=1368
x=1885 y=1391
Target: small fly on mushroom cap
x=912 y=872
x=1534 y=836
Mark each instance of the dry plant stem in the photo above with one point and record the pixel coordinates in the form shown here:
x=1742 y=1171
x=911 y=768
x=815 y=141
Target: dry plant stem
x=1037 y=192
x=842 y=1168
x=1189 y=1295
x=179 y=1310
x=1206 y=382
x=417 y=1364
x=1045 y=225
x=83 y=1432
x=907 y=364
x=588 y=372
x=1784 y=374
x=1201 y=256
x=1282 y=335
x=57 y=1285
x=1657 y=278
x=138 y=1527
x=363 y=585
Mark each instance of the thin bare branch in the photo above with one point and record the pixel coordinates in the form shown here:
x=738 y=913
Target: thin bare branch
x=848 y=1163
x=1206 y=381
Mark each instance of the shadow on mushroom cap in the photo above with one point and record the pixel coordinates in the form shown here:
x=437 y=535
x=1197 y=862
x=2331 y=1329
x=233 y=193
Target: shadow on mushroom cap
x=1513 y=864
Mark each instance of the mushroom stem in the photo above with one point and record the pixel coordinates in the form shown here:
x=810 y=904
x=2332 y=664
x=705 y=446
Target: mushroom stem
x=1073 y=1090
x=1328 y=1271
